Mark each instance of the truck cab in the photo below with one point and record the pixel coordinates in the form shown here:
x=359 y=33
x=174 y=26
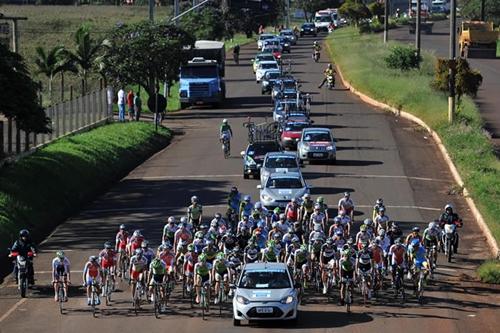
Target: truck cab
x=202 y=78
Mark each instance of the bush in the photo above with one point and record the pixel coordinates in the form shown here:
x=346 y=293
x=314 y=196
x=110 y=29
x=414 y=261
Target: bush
x=43 y=189
x=489 y=272
x=403 y=58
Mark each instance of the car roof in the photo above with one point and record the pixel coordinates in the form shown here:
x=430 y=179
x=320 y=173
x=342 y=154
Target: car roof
x=267 y=62
x=307 y=23
x=316 y=129
x=265 y=143
x=264 y=54
x=291 y=174
x=266 y=265
x=266 y=35
x=284 y=154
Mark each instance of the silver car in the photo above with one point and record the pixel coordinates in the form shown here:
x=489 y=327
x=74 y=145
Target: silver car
x=317 y=144
x=278 y=162
x=265 y=291
x=280 y=187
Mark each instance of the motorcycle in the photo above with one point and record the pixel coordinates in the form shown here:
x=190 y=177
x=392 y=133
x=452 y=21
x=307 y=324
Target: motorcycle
x=24 y=269
x=330 y=81
x=316 y=56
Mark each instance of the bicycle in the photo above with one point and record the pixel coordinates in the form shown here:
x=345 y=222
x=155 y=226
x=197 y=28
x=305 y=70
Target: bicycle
x=123 y=265
x=60 y=295
x=399 y=287
x=221 y=295
x=225 y=147
x=205 y=298
x=330 y=282
x=418 y=283
x=431 y=255
x=348 y=291
x=365 y=290
x=298 y=276
x=139 y=292
x=94 y=296
x=108 y=286
x=169 y=287
x=159 y=298
x=317 y=276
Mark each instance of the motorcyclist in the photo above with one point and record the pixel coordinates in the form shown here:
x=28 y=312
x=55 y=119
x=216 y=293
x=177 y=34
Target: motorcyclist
x=450 y=217
x=316 y=49
x=328 y=72
x=22 y=246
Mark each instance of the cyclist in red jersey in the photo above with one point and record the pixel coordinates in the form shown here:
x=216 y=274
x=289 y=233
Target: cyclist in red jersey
x=292 y=210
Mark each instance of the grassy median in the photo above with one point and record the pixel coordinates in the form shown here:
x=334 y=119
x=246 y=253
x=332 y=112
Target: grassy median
x=43 y=189
x=361 y=59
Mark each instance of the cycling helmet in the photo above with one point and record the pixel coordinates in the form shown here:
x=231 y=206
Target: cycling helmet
x=347 y=194
x=329 y=66
x=380 y=201
x=258 y=205
x=198 y=235
x=194 y=199
x=234 y=189
x=224 y=121
x=213 y=224
x=297 y=225
x=350 y=241
x=381 y=232
x=293 y=200
x=338 y=233
x=277 y=210
x=24 y=233
x=145 y=244
x=247 y=198
x=397 y=241
x=183 y=242
x=376 y=241
x=363 y=260
x=60 y=254
x=448 y=207
x=274 y=225
x=415 y=229
x=220 y=256
x=415 y=243
x=137 y=233
x=202 y=258
x=329 y=241
x=381 y=209
x=93 y=258
x=306 y=196
x=315 y=43
x=276 y=236
x=368 y=222
x=364 y=245
x=336 y=219
x=317 y=206
x=282 y=216
x=203 y=227
x=171 y=219
x=362 y=227
x=245 y=218
x=303 y=247
x=209 y=242
x=295 y=239
x=123 y=227
x=161 y=248
x=320 y=200
x=432 y=225
x=167 y=246
x=108 y=245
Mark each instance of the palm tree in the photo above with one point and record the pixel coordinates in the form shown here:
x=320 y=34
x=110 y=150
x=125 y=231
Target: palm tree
x=85 y=53
x=49 y=63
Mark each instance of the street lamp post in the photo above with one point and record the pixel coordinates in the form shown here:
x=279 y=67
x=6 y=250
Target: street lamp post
x=417 y=27
x=386 y=20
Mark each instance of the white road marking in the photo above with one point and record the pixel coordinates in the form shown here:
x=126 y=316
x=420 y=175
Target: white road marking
x=391 y=176
x=12 y=309
x=182 y=177
x=402 y=207
x=50 y=272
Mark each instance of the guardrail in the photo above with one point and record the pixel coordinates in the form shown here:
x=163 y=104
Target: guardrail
x=69 y=117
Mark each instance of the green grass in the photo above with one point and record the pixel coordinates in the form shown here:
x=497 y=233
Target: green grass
x=489 y=272
x=361 y=58
x=498 y=48
x=41 y=190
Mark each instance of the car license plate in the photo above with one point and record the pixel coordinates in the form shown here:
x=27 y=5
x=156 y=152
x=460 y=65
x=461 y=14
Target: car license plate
x=265 y=310
x=317 y=154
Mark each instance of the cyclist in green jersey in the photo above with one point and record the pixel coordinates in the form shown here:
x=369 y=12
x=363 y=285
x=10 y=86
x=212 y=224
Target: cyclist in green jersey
x=158 y=271
x=301 y=260
x=269 y=253
x=306 y=208
x=194 y=212
x=323 y=207
x=221 y=273
x=201 y=274
x=346 y=270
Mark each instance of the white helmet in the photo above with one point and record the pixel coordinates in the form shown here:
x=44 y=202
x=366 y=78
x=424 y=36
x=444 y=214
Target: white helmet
x=432 y=225
x=184 y=220
x=258 y=205
x=171 y=219
x=194 y=199
x=224 y=121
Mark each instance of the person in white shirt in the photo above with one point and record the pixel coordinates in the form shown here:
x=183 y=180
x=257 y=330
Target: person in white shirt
x=121 y=104
x=347 y=205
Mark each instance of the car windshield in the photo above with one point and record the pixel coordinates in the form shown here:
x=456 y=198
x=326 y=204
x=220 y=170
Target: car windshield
x=197 y=72
x=281 y=162
x=309 y=25
x=268 y=66
x=323 y=19
x=267 y=57
x=265 y=279
x=288 y=106
x=259 y=149
x=272 y=75
x=266 y=37
x=288 y=182
x=286 y=33
x=295 y=126
x=316 y=136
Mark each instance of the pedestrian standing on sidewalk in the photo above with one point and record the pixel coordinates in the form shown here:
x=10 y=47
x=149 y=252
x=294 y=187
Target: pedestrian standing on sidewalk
x=137 y=106
x=121 y=104
x=130 y=104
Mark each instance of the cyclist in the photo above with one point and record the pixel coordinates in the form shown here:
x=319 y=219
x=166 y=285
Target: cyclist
x=210 y=251
x=275 y=231
x=317 y=218
x=394 y=232
x=417 y=258
x=364 y=265
x=149 y=254
x=228 y=242
x=283 y=224
x=121 y=241
x=220 y=272
x=382 y=221
x=138 y=265
x=166 y=255
x=290 y=250
x=323 y=207
x=378 y=257
x=61 y=271
x=236 y=54
x=201 y=275
x=298 y=230
x=345 y=221
x=336 y=227
x=194 y=212
x=275 y=216
x=327 y=261
x=346 y=205
x=346 y=271
x=261 y=210
x=243 y=236
x=92 y=271
x=190 y=259
x=301 y=263
x=169 y=230
x=135 y=242
x=370 y=228
x=243 y=223
x=431 y=237
x=316 y=240
x=415 y=234
x=246 y=207
x=158 y=270
x=385 y=244
x=397 y=255
x=362 y=236
x=233 y=206
x=182 y=234
x=107 y=257
x=269 y=253
x=378 y=204
x=226 y=133
x=306 y=208
x=251 y=252
x=292 y=210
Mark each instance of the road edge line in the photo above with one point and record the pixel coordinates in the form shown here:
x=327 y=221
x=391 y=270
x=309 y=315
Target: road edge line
x=494 y=248
x=12 y=309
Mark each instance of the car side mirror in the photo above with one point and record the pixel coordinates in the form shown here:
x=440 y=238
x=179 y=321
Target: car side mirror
x=259 y=187
x=242 y=153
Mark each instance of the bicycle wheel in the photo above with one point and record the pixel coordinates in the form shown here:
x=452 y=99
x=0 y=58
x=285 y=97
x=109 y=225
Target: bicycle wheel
x=157 y=301
x=60 y=294
x=348 y=299
x=221 y=298
x=94 y=303
x=202 y=303
x=108 y=290
x=137 y=299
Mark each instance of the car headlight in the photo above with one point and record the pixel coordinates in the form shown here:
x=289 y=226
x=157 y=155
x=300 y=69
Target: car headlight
x=242 y=300
x=265 y=83
x=287 y=300
x=286 y=44
x=329 y=148
x=266 y=197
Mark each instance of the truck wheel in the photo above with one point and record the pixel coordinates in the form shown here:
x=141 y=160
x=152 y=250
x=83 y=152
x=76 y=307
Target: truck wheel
x=245 y=176
x=236 y=322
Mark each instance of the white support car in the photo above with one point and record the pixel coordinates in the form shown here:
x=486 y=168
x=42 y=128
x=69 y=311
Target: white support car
x=262 y=38
x=263 y=67
x=317 y=144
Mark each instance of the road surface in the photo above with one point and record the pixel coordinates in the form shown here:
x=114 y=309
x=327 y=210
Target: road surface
x=488 y=98
x=378 y=156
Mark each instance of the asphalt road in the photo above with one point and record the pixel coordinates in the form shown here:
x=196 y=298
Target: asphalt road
x=488 y=97
x=378 y=156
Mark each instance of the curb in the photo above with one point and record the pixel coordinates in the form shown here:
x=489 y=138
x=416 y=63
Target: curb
x=456 y=176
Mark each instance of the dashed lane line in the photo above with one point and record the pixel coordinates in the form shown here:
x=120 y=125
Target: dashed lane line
x=12 y=309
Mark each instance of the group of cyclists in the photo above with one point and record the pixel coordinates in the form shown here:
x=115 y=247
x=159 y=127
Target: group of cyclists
x=313 y=243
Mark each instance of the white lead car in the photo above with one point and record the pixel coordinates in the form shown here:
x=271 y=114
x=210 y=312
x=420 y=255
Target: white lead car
x=265 y=291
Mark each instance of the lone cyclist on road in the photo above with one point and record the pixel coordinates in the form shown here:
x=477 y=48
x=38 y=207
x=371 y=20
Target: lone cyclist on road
x=225 y=132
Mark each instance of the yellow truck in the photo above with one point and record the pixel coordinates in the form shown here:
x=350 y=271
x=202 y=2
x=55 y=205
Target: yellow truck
x=477 y=39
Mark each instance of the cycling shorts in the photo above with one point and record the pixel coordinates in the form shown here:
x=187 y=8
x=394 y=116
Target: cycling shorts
x=220 y=275
x=135 y=275
x=158 y=278
x=347 y=274
x=300 y=265
x=326 y=260
x=204 y=278
x=365 y=267
x=107 y=263
x=429 y=243
x=89 y=280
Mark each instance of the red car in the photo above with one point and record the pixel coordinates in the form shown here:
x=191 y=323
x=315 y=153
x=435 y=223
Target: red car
x=291 y=133
x=275 y=50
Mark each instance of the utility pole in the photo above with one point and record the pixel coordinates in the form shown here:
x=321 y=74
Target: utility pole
x=151 y=10
x=386 y=20
x=452 y=55
x=417 y=27
x=482 y=10
x=176 y=11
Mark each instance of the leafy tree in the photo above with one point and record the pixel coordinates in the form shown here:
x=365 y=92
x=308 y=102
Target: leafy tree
x=377 y=9
x=19 y=92
x=52 y=62
x=87 y=49
x=471 y=9
x=145 y=53
x=312 y=6
x=249 y=15
x=403 y=58
x=355 y=11
x=208 y=23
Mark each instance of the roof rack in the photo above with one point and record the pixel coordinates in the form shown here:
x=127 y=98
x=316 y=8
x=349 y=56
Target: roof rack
x=268 y=131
